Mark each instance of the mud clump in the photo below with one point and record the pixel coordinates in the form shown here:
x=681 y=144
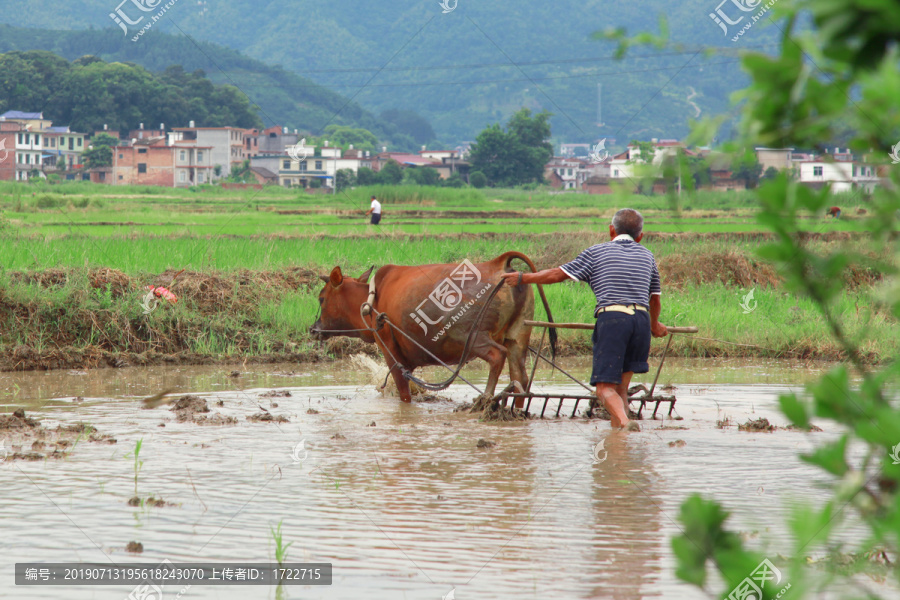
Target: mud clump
x=193 y=409
x=18 y=421
x=345 y=347
x=187 y=407
x=483 y=444
x=158 y=502
x=267 y=417
x=21 y=431
x=215 y=419
x=276 y=394
x=134 y=547
x=677 y=444
x=432 y=399
x=759 y=425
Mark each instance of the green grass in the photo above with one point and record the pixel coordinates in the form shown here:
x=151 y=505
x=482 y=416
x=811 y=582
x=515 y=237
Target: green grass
x=146 y=231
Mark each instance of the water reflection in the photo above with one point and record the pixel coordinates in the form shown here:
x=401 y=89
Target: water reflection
x=409 y=507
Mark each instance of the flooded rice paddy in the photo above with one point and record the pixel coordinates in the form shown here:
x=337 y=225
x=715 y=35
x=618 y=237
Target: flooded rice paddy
x=406 y=501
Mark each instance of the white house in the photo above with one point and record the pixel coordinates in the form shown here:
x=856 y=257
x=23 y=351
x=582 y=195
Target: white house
x=840 y=171
x=571 y=173
x=227 y=145
x=29 y=149
x=622 y=165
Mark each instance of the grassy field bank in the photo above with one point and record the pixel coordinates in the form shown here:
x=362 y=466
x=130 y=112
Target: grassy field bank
x=75 y=259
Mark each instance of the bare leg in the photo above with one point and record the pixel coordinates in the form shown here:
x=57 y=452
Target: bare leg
x=622 y=388
x=609 y=395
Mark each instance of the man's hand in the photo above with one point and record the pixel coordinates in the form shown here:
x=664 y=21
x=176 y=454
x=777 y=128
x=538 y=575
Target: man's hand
x=658 y=330
x=512 y=279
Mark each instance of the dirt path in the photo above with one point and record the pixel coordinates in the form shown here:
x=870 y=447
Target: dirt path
x=690 y=101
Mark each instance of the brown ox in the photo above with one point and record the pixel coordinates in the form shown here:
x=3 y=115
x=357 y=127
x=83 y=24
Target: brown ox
x=437 y=305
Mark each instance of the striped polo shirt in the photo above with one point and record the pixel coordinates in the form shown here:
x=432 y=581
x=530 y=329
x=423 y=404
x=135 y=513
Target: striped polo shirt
x=619 y=272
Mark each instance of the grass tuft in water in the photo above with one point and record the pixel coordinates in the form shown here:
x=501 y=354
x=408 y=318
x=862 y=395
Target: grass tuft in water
x=280 y=547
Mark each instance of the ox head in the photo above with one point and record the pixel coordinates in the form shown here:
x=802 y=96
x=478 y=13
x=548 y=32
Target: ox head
x=339 y=304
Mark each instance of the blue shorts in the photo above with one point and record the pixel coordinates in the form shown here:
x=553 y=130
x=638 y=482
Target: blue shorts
x=376 y=218
x=621 y=345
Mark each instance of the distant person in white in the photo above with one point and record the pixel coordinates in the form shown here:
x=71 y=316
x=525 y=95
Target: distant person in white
x=375 y=211
x=625 y=280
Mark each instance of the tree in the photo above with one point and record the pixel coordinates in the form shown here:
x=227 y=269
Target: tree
x=477 y=179
x=366 y=176
x=344 y=178
x=515 y=156
x=98 y=156
x=104 y=139
x=422 y=176
x=241 y=173
x=454 y=181
x=339 y=135
x=88 y=93
x=746 y=168
x=771 y=173
x=646 y=152
x=390 y=173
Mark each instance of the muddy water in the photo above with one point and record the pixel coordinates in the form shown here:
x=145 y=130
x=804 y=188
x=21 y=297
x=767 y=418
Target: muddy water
x=399 y=498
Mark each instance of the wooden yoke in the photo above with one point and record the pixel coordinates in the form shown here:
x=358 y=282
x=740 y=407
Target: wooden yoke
x=367 y=310
x=692 y=329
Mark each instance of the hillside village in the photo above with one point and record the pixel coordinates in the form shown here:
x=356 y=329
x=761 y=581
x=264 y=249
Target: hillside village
x=32 y=146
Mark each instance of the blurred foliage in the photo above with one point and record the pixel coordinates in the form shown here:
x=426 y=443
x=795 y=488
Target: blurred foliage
x=838 y=83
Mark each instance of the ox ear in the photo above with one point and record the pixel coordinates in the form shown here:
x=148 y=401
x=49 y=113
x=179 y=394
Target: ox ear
x=364 y=278
x=336 y=278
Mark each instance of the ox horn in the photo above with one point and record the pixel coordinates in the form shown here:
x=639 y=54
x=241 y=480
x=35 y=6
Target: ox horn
x=364 y=278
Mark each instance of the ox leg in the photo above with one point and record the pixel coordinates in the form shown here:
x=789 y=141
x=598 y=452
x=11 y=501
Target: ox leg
x=516 y=357
x=495 y=355
x=402 y=384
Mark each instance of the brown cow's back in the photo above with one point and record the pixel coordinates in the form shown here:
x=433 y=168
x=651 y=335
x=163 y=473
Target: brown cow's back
x=438 y=305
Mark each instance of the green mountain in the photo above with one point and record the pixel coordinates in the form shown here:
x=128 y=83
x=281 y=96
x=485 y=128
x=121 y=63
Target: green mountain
x=277 y=97
x=462 y=70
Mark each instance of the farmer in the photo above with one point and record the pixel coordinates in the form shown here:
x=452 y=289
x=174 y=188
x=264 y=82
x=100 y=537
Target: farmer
x=835 y=212
x=623 y=276
x=375 y=211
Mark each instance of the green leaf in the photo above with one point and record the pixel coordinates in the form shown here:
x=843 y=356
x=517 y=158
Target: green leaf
x=794 y=410
x=830 y=457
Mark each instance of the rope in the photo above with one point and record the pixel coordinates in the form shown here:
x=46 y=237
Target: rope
x=436 y=387
x=381 y=318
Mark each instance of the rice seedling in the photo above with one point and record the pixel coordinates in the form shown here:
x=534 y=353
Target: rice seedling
x=281 y=548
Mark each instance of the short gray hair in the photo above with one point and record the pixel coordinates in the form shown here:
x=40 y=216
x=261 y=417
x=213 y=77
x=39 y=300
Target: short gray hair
x=628 y=221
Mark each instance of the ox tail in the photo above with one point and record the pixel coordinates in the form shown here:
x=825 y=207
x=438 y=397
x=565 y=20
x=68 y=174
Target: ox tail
x=507 y=259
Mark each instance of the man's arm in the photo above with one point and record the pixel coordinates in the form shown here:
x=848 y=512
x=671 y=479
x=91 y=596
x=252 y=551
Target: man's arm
x=656 y=328
x=368 y=212
x=542 y=277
